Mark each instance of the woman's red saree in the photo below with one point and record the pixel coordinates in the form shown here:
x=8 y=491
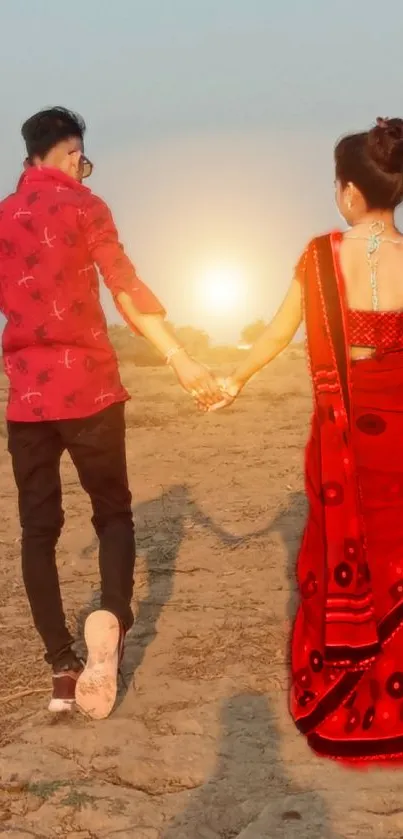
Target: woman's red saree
x=347 y=647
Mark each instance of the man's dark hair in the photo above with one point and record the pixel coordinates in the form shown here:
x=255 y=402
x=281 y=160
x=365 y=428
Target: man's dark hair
x=44 y=130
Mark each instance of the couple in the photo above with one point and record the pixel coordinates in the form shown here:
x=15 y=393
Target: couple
x=66 y=394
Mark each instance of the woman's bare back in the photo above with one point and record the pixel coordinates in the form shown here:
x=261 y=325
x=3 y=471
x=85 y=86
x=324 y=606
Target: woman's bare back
x=372 y=268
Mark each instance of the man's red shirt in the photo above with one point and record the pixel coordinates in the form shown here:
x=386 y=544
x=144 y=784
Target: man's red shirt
x=54 y=234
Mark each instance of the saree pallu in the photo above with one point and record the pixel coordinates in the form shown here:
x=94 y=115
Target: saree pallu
x=347 y=646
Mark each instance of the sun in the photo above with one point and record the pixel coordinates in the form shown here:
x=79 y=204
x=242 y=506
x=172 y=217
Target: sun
x=221 y=289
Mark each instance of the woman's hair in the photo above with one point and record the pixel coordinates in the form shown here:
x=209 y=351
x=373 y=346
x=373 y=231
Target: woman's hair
x=44 y=130
x=373 y=162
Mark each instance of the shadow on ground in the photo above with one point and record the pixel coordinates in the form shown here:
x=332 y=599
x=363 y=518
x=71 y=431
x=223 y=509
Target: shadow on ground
x=250 y=777
x=161 y=527
x=289 y=523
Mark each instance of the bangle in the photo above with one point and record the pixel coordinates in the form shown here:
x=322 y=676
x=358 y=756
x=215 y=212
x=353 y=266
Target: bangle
x=171 y=353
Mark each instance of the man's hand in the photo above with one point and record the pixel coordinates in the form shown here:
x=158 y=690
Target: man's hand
x=197 y=380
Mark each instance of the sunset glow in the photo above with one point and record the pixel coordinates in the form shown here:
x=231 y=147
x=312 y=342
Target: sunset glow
x=221 y=290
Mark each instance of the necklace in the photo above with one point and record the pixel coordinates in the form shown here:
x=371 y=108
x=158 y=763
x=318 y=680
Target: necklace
x=374 y=241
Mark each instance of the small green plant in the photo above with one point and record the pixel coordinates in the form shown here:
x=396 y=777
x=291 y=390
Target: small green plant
x=78 y=799
x=45 y=789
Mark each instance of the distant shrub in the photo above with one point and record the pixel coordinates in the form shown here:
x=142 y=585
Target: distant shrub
x=253 y=331
x=131 y=348
x=224 y=355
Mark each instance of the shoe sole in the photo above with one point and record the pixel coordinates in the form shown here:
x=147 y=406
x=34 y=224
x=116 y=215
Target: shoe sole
x=96 y=688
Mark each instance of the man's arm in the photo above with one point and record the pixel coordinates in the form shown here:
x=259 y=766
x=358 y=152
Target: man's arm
x=115 y=266
x=137 y=304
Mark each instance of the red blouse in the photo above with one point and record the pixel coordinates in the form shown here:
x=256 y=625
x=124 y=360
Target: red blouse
x=382 y=331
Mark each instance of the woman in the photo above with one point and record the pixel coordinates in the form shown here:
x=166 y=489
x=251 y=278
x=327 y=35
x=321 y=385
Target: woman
x=347 y=648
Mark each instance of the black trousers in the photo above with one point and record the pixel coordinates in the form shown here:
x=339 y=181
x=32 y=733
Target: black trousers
x=97 y=448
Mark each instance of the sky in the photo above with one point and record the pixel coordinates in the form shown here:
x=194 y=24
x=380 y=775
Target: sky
x=211 y=124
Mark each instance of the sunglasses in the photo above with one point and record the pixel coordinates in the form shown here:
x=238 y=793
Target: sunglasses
x=85 y=163
x=87 y=167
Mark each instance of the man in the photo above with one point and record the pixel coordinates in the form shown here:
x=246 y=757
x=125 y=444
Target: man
x=66 y=394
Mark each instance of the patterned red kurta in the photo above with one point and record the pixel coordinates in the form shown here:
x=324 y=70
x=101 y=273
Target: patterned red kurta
x=56 y=350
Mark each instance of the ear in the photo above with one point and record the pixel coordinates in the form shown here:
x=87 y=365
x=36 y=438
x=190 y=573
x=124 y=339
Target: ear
x=351 y=194
x=353 y=191
x=75 y=157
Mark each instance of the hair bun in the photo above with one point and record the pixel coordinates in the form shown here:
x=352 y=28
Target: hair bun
x=385 y=144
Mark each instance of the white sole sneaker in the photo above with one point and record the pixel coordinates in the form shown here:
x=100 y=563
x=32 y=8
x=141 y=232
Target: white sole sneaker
x=64 y=687
x=60 y=706
x=97 y=686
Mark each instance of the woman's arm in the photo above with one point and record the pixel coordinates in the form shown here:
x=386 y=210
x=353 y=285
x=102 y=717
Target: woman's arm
x=273 y=340
x=276 y=337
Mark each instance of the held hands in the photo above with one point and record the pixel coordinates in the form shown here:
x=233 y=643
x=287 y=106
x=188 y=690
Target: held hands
x=230 y=389
x=197 y=380
x=210 y=393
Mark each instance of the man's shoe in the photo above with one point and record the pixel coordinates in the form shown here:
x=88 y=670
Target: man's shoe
x=96 y=689
x=64 y=690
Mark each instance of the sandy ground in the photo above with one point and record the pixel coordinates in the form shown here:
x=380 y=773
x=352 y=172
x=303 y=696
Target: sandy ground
x=201 y=745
